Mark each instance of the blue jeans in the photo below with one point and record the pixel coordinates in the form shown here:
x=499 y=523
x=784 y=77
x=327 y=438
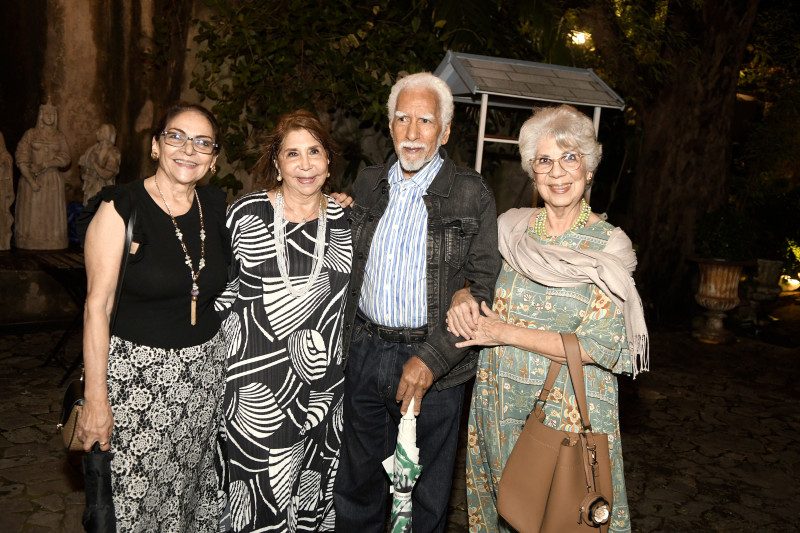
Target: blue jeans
x=371 y=417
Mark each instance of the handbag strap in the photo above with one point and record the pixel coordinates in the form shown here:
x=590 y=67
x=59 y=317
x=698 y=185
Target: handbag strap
x=125 y=253
x=573 y=354
x=573 y=351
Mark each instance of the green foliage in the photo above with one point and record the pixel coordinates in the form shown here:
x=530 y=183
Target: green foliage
x=773 y=65
x=726 y=234
x=767 y=181
x=791 y=264
x=260 y=59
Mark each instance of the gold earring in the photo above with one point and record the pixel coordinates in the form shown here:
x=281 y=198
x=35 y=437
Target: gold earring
x=280 y=178
x=154 y=155
x=214 y=168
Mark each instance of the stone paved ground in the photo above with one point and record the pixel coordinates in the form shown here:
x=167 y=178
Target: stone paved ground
x=709 y=435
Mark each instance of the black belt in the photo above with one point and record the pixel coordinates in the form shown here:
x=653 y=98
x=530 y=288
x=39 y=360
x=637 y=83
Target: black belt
x=406 y=335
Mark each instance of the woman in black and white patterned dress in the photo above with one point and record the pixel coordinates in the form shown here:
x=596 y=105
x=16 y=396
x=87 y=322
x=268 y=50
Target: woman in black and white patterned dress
x=154 y=377
x=290 y=267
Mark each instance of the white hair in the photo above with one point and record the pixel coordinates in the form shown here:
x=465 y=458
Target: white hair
x=571 y=129
x=426 y=80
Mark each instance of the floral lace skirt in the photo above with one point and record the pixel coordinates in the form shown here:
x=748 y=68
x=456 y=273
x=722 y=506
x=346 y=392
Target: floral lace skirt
x=166 y=405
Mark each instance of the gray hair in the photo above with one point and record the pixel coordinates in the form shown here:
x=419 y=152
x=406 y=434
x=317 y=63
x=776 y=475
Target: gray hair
x=424 y=80
x=570 y=128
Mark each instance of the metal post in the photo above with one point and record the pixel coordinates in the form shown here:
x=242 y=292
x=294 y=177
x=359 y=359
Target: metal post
x=481 y=131
x=596 y=120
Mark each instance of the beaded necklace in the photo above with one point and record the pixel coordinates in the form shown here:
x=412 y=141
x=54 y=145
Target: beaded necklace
x=282 y=254
x=541 y=220
x=195 y=289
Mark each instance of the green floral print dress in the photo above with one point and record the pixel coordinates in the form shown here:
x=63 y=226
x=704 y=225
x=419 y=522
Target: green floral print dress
x=509 y=379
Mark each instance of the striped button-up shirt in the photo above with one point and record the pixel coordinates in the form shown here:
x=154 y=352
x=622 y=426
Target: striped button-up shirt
x=394 y=292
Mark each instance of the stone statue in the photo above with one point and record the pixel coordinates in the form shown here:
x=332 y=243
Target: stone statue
x=100 y=164
x=6 y=195
x=41 y=216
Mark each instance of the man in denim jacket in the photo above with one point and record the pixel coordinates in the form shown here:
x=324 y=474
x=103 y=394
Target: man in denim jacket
x=421 y=229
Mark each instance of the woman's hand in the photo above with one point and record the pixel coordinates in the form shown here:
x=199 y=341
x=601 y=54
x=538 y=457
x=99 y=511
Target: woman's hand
x=341 y=198
x=95 y=424
x=488 y=331
x=462 y=317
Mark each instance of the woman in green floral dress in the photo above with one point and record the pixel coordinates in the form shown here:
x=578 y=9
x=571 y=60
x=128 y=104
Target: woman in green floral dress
x=565 y=270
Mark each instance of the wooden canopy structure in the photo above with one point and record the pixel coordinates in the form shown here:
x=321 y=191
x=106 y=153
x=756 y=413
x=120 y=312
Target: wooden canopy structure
x=493 y=81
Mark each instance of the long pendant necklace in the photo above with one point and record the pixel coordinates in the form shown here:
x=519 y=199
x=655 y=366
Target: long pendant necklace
x=541 y=220
x=195 y=289
x=282 y=253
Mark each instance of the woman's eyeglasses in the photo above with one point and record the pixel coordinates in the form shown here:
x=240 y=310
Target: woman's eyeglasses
x=177 y=139
x=569 y=162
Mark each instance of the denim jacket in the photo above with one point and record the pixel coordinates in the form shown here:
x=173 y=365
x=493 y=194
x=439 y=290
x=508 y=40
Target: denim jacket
x=461 y=245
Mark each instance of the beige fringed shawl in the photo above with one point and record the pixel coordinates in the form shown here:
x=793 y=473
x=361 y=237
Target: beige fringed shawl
x=556 y=266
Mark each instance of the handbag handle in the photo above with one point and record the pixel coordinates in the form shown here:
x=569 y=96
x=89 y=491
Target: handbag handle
x=126 y=251
x=573 y=354
x=573 y=351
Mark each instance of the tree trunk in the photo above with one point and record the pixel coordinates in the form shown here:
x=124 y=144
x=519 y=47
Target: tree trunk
x=685 y=156
x=685 y=111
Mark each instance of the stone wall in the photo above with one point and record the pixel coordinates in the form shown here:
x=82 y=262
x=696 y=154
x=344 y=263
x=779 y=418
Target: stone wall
x=99 y=61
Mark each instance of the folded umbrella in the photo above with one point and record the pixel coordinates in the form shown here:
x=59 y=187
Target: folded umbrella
x=403 y=468
x=98 y=516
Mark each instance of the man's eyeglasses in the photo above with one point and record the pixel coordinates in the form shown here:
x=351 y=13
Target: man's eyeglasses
x=569 y=162
x=177 y=139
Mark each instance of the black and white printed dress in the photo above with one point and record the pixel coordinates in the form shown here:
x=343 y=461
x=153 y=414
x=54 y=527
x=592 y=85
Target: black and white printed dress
x=279 y=447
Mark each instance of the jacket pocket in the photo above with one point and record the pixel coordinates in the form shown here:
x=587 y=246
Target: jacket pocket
x=356 y=218
x=458 y=235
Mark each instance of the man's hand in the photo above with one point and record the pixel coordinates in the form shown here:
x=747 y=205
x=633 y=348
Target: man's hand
x=488 y=331
x=343 y=199
x=462 y=317
x=414 y=383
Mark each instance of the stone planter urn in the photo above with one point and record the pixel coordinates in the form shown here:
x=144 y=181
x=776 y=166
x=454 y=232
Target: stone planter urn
x=718 y=293
x=769 y=275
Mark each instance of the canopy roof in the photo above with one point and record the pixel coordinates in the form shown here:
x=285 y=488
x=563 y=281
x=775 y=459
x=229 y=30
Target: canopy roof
x=516 y=83
x=511 y=83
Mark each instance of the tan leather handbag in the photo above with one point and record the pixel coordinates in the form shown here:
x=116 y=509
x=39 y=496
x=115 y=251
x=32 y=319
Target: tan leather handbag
x=70 y=412
x=557 y=481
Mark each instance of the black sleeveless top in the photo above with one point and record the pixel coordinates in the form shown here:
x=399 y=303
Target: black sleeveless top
x=155 y=304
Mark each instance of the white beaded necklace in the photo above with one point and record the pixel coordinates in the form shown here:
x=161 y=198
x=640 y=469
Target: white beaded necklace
x=195 y=289
x=282 y=254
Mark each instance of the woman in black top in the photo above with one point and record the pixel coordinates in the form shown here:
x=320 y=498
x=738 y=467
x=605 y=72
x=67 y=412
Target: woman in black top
x=154 y=381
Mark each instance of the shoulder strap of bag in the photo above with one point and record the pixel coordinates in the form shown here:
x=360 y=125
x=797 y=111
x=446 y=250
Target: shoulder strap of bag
x=573 y=352
x=549 y=380
x=125 y=253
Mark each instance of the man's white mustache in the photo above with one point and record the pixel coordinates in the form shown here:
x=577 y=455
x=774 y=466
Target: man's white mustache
x=411 y=144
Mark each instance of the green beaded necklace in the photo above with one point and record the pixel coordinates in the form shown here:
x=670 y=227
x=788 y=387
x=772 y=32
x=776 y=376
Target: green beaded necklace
x=541 y=219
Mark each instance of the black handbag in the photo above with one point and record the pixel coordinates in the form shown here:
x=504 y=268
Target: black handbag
x=72 y=406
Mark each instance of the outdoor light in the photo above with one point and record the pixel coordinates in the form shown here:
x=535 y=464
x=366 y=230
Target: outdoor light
x=579 y=37
x=789 y=284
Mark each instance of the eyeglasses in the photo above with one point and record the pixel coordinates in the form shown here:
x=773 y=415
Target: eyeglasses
x=569 y=162
x=177 y=139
